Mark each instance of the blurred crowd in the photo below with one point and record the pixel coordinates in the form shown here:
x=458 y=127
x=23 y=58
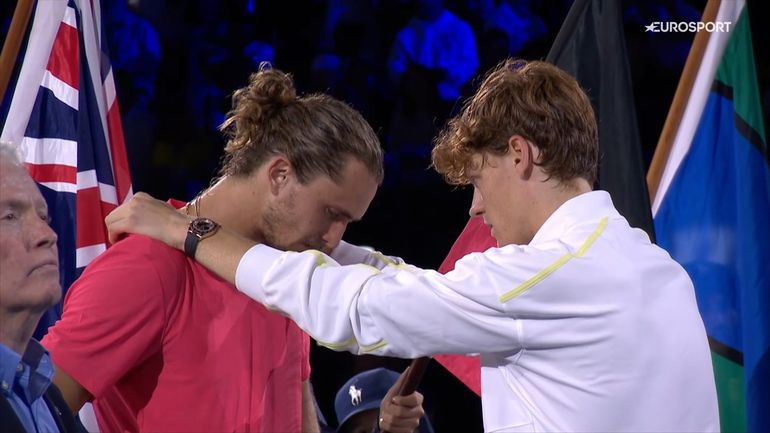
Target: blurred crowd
x=404 y=64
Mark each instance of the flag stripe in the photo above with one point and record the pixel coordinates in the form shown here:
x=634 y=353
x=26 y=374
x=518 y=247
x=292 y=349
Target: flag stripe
x=59 y=64
x=51 y=117
x=84 y=255
x=108 y=196
x=109 y=89
x=744 y=128
x=61 y=90
x=728 y=376
x=63 y=187
x=750 y=134
x=121 y=168
x=70 y=17
x=90 y=223
x=52 y=173
x=49 y=151
x=725 y=351
x=93 y=152
x=87 y=179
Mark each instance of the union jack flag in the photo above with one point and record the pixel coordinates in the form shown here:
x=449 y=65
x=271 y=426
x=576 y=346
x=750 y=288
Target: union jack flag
x=64 y=115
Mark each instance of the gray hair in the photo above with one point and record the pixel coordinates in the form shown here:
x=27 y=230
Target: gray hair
x=10 y=152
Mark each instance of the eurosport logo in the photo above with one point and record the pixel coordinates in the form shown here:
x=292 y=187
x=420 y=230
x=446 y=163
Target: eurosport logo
x=687 y=26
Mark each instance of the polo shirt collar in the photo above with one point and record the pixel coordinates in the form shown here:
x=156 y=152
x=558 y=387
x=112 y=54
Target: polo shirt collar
x=585 y=208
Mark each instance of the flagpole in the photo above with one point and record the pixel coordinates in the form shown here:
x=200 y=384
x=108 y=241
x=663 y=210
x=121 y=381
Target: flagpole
x=412 y=379
x=682 y=95
x=13 y=41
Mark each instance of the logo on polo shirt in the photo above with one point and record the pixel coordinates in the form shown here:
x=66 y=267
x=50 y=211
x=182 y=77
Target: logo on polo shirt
x=355 y=395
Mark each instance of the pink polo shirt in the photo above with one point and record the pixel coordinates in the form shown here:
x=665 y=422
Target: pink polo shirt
x=164 y=345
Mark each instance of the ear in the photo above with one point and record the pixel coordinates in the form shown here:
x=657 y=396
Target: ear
x=279 y=172
x=522 y=155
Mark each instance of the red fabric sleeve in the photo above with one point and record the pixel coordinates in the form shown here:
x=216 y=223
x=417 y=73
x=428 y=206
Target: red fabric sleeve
x=115 y=313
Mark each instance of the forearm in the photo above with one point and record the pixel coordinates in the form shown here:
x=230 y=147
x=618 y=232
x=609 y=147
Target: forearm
x=309 y=415
x=222 y=252
x=282 y=281
x=147 y=216
x=349 y=254
x=364 y=310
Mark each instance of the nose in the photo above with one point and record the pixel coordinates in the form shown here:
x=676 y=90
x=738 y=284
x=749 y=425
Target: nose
x=477 y=204
x=41 y=234
x=333 y=236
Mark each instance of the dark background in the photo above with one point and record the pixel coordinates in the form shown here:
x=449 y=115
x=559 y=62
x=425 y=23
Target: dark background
x=176 y=63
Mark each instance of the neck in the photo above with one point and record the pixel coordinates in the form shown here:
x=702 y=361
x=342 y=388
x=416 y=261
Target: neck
x=235 y=203
x=17 y=328
x=551 y=195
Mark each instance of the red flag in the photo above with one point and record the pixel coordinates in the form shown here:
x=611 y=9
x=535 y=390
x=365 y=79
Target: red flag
x=476 y=237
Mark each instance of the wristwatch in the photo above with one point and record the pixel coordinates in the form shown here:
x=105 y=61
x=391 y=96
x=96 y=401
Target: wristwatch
x=198 y=230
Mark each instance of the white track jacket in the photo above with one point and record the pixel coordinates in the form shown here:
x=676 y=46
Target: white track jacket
x=590 y=327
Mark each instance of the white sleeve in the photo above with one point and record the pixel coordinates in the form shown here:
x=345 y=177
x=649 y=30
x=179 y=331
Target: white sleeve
x=349 y=254
x=400 y=311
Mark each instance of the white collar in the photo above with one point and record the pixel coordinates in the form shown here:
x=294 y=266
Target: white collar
x=589 y=207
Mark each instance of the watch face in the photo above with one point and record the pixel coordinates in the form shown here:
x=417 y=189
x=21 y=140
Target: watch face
x=203 y=226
